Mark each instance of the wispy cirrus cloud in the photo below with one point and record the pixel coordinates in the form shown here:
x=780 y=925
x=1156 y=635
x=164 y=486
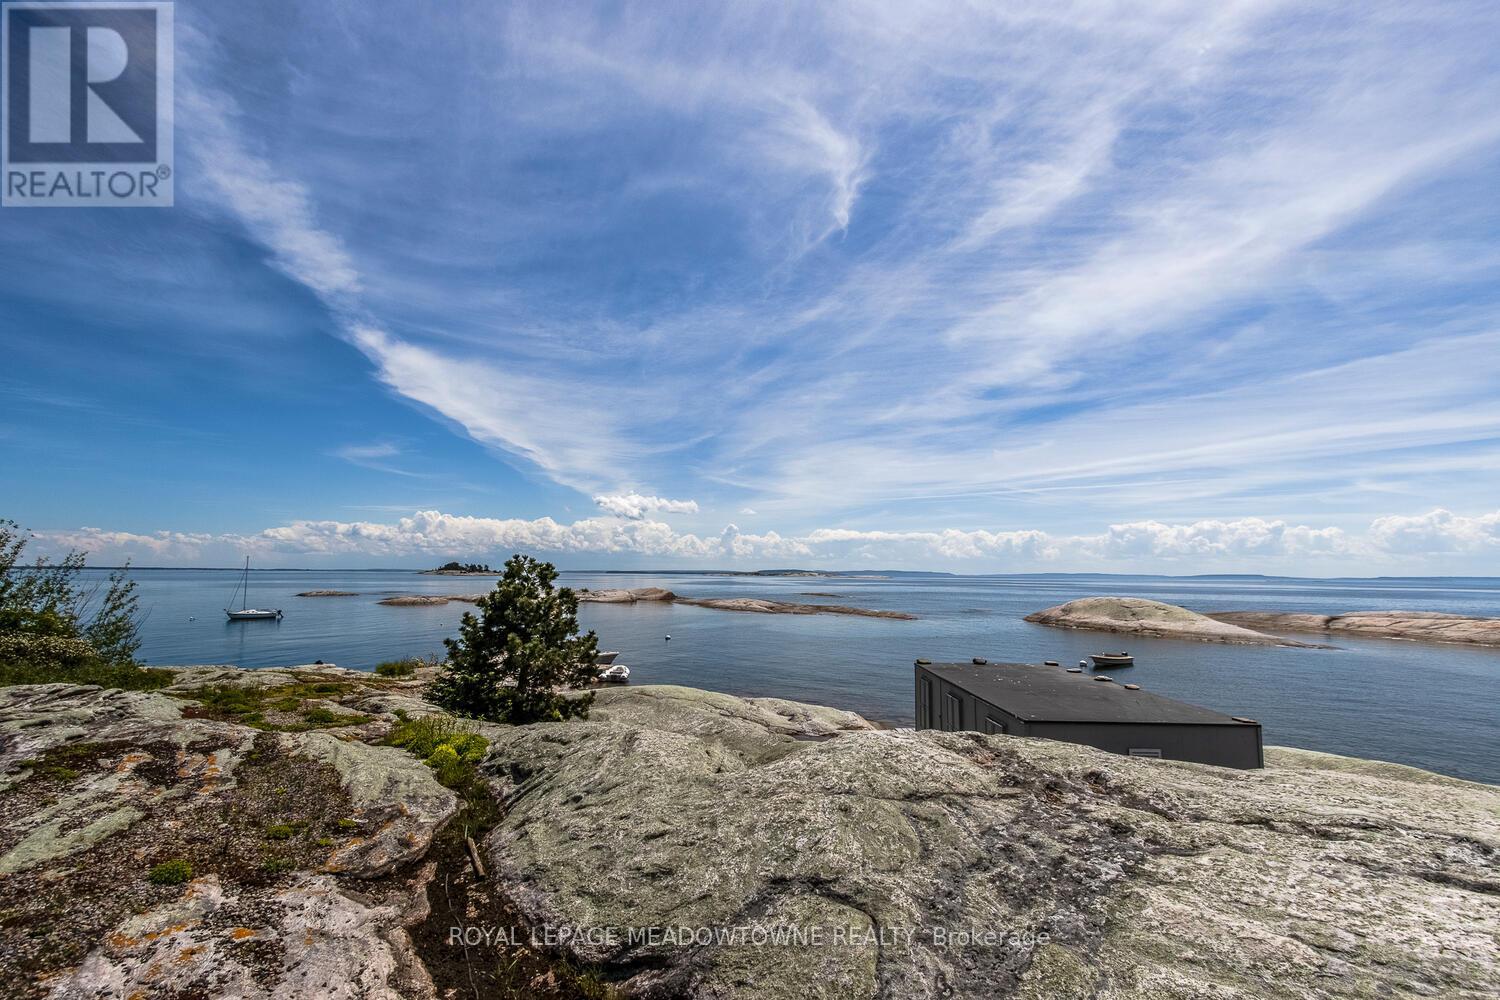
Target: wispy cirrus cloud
x=921 y=265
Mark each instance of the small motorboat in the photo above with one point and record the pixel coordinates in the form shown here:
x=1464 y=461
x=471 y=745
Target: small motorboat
x=605 y=659
x=1120 y=659
x=617 y=674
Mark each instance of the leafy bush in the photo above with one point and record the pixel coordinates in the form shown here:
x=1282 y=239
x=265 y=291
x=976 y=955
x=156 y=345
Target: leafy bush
x=49 y=599
x=279 y=831
x=174 y=872
x=54 y=627
x=509 y=662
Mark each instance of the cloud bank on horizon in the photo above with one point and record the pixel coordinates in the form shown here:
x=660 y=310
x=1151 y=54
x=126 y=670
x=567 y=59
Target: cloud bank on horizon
x=1159 y=285
x=1253 y=544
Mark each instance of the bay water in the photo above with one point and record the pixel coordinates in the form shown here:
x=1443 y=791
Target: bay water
x=1432 y=706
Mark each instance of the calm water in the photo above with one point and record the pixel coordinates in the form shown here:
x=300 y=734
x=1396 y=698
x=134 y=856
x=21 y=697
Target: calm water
x=1436 y=707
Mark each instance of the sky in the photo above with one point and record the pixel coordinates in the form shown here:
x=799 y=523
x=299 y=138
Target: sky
x=1119 y=287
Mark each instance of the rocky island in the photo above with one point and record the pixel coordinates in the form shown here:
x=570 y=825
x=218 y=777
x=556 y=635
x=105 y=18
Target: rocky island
x=752 y=604
x=1154 y=619
x=427 y=600
x=460 y=569
x=1420 y=626
x=1138 y=616
x=247 y=833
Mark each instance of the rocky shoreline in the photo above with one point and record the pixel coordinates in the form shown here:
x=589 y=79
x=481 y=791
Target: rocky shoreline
x=317 y=870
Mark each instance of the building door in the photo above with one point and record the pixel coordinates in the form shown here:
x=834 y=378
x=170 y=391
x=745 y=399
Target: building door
x=953 y=711
x=925 y=712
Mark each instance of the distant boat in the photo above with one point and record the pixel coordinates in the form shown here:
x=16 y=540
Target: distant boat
x=617 y=674
x=247 y=614
x=1120 y=659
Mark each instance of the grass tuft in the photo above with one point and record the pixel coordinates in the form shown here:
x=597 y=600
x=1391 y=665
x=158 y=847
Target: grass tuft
x=174 y=872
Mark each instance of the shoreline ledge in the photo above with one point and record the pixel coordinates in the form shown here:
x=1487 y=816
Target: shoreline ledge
x=1411 y=626
x=1154 y=620
x=1149 y=878
x=754 y=605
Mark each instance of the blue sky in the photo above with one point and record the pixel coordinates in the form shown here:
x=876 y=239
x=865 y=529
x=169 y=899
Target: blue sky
x=1172 y=287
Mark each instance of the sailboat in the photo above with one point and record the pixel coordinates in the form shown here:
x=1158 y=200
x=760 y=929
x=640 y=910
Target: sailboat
x=248 y=614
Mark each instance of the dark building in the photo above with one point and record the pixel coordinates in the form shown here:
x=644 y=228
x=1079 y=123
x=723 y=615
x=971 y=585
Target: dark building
x=1024 y=699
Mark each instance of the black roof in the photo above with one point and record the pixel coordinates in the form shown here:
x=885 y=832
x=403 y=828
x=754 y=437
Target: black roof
x=1050 y=694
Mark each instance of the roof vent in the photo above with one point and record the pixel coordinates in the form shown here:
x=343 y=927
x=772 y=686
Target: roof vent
x=1238 y=718
x=1075 y=670
x=1132 y=687
x=1049 y=663
x=1104 y=678
x=924 y=663
x=981 y=661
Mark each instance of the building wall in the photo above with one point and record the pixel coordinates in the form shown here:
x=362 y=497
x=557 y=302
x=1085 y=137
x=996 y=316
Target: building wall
x=1226 y=746
x=952 y=709
x=948 y=707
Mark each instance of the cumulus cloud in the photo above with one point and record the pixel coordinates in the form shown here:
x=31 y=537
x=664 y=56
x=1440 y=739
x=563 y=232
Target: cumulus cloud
x=1246 y=544
x=635 y=506
x=1248 y=537
x=1436 y=531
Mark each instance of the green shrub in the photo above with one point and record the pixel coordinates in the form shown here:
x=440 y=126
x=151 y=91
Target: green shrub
x=174 y=872
x=279 y=831
x=398 y=668
x=277 y=866
x=451 y=747
x=126 y=676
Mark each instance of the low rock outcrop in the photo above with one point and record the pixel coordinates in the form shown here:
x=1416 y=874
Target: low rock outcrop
x=428 y=600
x=1138 y=616
x=685 y=843
x=1421 y=626
x=290 y=845
x=703 y=829
x=626 y=596
x=765 y=607
x=756 y=605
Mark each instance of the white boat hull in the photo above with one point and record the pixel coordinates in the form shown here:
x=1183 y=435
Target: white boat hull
x=252 y=615
x=617 y=674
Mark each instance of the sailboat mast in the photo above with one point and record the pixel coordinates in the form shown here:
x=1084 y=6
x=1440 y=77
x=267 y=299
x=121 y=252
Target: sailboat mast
x=247 y=581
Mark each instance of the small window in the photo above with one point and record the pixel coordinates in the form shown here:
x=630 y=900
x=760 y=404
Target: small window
x=993 y=725
x=1145 y=752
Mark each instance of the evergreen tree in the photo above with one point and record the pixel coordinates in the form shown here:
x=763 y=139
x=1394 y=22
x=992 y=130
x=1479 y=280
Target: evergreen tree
x=522 y=645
